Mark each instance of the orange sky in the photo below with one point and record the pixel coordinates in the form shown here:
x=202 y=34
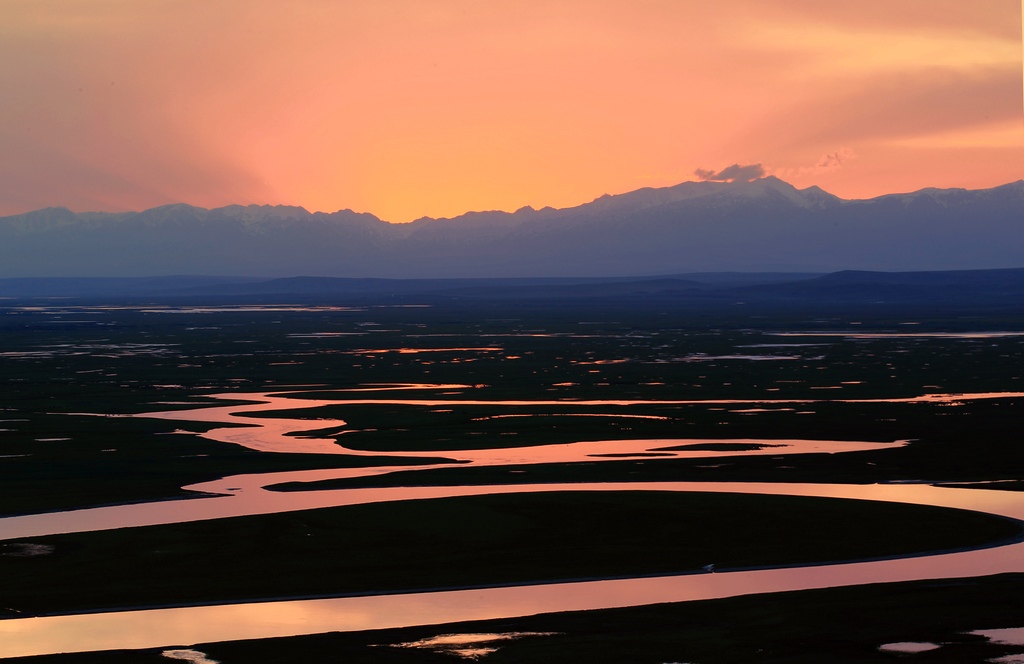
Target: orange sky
x=409 y=108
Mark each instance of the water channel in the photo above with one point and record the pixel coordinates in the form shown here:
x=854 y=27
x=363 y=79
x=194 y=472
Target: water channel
x=240 y=495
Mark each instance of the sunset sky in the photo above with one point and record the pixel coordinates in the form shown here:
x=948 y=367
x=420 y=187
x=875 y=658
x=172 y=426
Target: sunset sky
x=409 y=108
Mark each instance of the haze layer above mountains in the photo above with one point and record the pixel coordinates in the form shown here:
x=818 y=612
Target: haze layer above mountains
x=761 y=226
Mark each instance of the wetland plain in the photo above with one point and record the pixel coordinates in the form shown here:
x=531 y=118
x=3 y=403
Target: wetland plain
x=172 y=455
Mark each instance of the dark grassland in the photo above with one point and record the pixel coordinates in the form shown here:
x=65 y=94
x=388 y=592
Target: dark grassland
x=66 y=364
x=472 y=541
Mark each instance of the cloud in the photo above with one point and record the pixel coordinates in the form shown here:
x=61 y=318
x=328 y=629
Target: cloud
x=734 y=173
x=833 y=161
x=826 y=163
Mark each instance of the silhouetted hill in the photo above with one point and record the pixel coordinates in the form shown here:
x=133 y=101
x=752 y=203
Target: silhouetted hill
x=761 y=226
x=975 y=290
x=62 y=287
x=978 y=287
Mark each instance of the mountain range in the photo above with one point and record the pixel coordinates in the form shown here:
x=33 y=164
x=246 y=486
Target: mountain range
x=765 y=225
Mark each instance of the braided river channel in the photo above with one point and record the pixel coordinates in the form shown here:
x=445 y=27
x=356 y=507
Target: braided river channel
x=248 y=495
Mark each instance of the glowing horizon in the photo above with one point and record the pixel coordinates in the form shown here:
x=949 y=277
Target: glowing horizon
x=408 y=109
x=464 y=212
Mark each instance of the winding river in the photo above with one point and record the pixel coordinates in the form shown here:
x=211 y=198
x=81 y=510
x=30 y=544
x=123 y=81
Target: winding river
x=247 y=494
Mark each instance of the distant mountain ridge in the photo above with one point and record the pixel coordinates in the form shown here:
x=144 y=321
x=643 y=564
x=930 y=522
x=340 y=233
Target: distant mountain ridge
x=765 y=225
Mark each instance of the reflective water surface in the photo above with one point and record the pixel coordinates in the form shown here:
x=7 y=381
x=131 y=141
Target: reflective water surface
x=239 y=495
x=467 y=646
x=278 y=434
x=909 y=647
x=189 y=625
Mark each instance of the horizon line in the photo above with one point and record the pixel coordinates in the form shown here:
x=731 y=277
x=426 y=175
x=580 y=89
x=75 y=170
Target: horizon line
x=715 y=183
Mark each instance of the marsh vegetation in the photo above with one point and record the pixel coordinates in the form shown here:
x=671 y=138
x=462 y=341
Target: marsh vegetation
x=419 y=387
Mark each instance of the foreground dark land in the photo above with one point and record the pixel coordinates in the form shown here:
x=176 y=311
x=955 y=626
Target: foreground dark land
x=66 y=365
x=468 y=542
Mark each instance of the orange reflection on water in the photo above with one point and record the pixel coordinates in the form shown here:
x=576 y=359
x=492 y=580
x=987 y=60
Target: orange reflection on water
x=283 y=435
x=246 y=494
x=164 y=627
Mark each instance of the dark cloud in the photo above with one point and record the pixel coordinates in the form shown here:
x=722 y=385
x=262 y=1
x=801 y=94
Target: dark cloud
x=734 y=173
x=833 y=160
